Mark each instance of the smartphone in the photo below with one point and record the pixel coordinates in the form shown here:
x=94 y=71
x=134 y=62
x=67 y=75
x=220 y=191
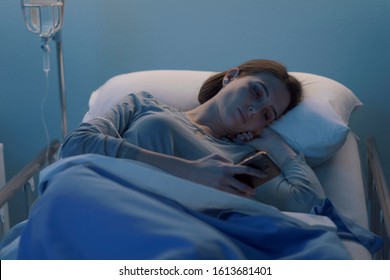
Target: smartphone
x=263 y=162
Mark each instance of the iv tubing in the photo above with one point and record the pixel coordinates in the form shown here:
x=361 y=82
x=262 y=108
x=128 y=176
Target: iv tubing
x=61 y=77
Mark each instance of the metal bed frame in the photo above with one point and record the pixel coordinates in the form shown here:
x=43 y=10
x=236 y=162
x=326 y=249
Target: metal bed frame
x=378 y=192
x=21 y=181
x=378 y=199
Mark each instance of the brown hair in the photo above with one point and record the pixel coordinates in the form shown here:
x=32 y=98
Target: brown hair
x=253 y=67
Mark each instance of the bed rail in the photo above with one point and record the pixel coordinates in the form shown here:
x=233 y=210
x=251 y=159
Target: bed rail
x=23 y=176
x=379 y=199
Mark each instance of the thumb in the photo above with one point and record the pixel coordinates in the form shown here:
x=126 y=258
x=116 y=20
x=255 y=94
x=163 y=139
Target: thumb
x=219 y=157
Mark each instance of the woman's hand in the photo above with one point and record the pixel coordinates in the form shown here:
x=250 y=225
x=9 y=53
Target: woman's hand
x=242 y=137
x=273 y=144
x=212 y=171
x=218 y=172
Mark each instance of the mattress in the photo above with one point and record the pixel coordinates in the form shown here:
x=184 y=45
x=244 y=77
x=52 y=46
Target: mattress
x=342 y=180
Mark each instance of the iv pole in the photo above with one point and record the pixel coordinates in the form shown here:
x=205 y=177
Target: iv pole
x=61 y=80
x=39 y=21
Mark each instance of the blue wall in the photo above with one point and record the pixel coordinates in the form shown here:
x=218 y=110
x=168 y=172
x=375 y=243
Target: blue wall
x=347 y=40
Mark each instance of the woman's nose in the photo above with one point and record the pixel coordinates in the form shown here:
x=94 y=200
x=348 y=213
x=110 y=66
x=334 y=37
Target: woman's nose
x=264 y=111
x=255 y=108
x=252 y=110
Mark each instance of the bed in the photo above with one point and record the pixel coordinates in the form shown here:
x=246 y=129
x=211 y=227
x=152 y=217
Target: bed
x=95 y=207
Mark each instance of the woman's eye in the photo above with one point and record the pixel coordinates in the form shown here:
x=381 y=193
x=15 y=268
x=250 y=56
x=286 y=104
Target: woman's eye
x=256 y=93
x=253 y=91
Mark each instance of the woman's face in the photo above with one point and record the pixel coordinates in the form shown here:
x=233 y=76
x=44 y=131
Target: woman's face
x=249 y=103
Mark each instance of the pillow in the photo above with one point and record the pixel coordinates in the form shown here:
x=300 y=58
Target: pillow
x=316 y=127
x=177 y=88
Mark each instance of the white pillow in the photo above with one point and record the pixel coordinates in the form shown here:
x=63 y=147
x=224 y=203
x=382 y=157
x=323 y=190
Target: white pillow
x=317 y=127
x=178 y=88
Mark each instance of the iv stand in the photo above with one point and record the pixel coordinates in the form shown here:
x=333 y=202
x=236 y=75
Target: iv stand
x=57 y=38
x=40 y=21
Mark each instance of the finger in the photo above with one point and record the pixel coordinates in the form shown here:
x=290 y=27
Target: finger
x=248 y=136
x=218 y=157
x=231 y=190
x=236 y=191
x=241 y=188
x=242 y=169
x=241 y=137
x=238 y=187
x=245 y=136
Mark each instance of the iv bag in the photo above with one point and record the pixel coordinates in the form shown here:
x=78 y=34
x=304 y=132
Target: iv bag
x=43 y=17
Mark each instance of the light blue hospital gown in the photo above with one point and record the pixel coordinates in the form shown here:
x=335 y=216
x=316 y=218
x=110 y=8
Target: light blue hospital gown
x=142 y=121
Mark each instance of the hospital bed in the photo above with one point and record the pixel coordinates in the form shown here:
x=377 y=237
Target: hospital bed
x=96 y=207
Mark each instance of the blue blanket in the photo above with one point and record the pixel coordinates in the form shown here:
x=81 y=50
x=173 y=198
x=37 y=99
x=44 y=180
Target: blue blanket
x=95 y=207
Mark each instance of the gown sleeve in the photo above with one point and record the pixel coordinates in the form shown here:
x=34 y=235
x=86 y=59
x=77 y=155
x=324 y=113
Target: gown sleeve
x=297 y=189
x=102 y=135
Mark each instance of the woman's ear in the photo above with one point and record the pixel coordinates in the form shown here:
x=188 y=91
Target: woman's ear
x=230 y=75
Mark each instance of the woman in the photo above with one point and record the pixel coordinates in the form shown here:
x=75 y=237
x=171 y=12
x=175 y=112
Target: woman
x=203 y=144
